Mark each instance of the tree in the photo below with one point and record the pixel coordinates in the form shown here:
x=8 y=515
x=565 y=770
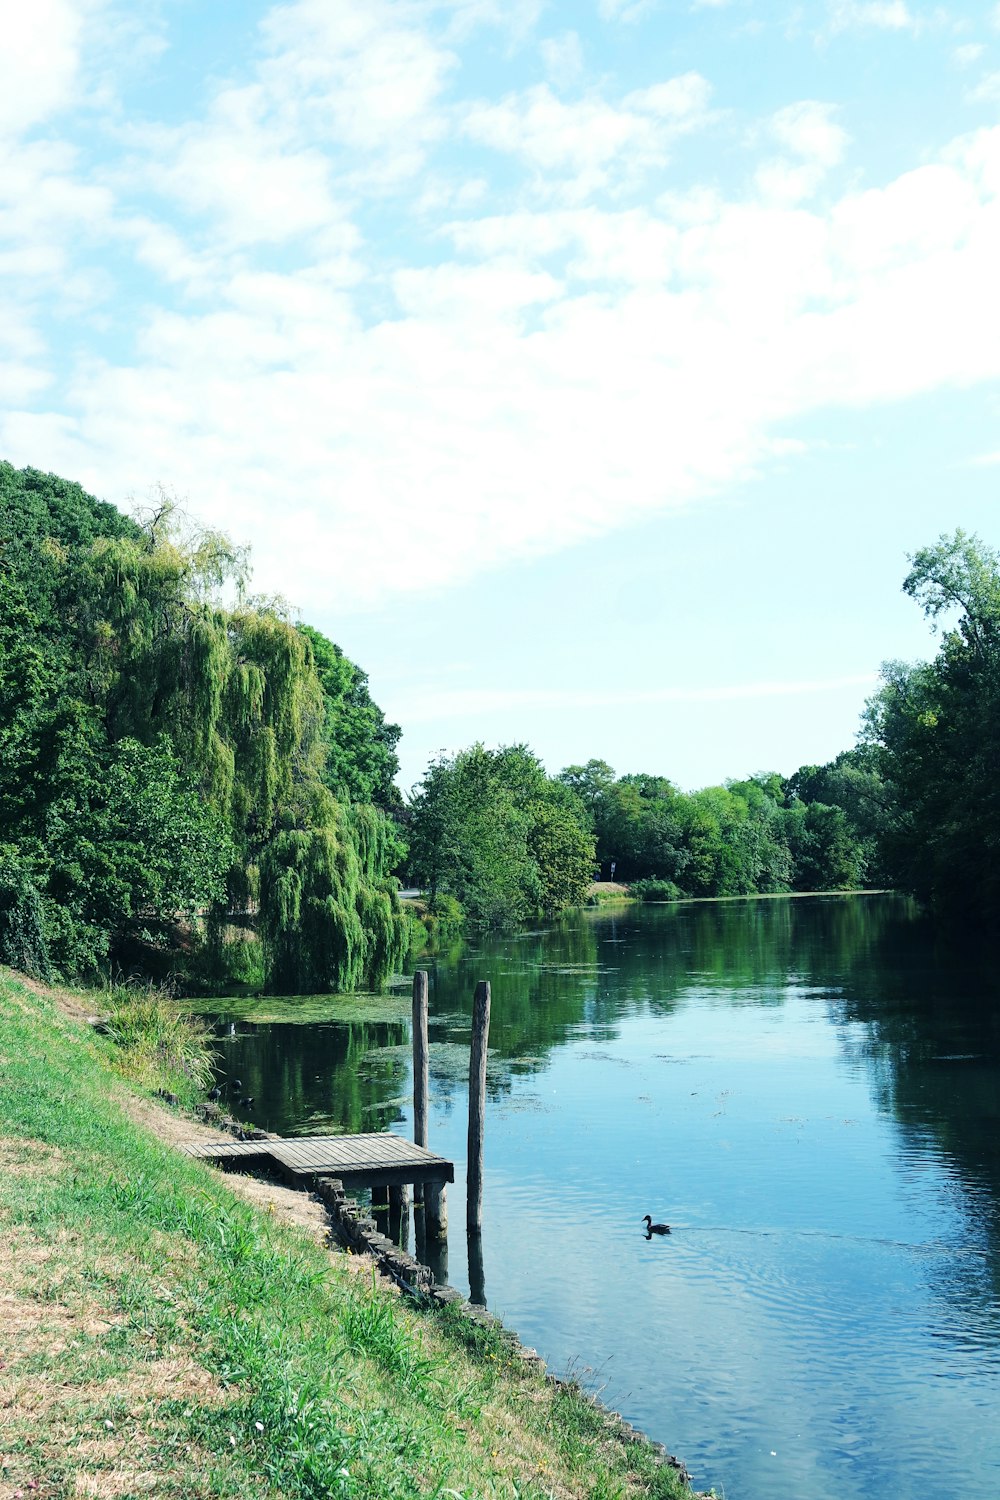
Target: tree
x=137 y=847
x=934 y=729
x=361 y=762
x=160 y=729
x=853 y=784
x=491 y=829
x=825 y=854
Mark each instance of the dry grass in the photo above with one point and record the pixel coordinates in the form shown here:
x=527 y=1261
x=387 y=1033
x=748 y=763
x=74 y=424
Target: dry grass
x=161 y=1336
x=72 y=1421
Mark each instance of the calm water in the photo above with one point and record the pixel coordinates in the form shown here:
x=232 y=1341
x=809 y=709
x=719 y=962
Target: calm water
x=808 y=1091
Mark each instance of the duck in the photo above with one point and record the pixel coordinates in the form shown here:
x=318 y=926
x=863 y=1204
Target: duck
x=215 y=1093
x=652 y=1228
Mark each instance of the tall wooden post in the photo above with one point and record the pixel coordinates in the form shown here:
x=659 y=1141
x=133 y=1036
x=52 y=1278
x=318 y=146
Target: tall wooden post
x=420 y=1068
x=477 y=1103
x=399 y=1214
x=477 y=1272
x=435 y=1211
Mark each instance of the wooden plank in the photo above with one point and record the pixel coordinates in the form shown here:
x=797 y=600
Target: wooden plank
x=358 y=1160
x=219 y=1149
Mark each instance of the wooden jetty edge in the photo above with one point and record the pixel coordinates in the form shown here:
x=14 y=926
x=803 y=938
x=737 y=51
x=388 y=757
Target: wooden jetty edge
x=386 y=1163
x=360 y=1161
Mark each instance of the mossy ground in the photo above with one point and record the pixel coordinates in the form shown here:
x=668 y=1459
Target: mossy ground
x=160 y=1336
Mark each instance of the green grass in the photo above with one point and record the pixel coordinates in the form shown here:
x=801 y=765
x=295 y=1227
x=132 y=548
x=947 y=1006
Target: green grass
x=158 y=1043
x=163 y=1336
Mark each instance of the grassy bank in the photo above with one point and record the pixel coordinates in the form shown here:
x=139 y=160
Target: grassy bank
x=163 y=1336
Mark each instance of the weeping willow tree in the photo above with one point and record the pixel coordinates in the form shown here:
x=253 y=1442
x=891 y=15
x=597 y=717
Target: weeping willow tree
x=330 y=918
x=173 y=646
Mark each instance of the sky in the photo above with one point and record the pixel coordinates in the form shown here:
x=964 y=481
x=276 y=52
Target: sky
x=587 y=371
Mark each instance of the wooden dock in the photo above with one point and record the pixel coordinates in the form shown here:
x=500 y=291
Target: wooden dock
x=360 y=1161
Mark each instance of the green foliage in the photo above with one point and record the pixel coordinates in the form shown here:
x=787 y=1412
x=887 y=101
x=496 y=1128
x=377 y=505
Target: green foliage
x=158 y=848
x=445 y=913
x=361 y=762
x=852 y=782
x=223 y=959
x=159 y=1045
x=761 y=835
x=489 y=828
x=825 y=853
x=23 y=943
x=160 y=732
x=324 y=926
x=934 y=733
x=654 y=890
x=563 y=851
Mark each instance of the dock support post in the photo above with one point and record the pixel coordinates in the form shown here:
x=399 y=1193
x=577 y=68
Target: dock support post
x=477 y=1104
x=435 y=1211
x=380 y=1206
x=399 y=1215
x=420 y=1068
x=437 y=1260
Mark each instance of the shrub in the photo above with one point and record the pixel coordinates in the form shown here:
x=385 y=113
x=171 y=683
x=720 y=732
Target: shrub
x=159 y=1045
x=23 y=944
x=655 y=890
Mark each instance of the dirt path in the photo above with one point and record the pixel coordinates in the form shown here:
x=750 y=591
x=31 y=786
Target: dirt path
x=290 y=1204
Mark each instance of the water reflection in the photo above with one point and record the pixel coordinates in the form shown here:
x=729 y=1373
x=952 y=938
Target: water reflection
x=310 y=1079
x=807 y=1090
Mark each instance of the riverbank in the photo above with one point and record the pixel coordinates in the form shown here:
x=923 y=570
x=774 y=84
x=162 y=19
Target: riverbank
x=164 y=1334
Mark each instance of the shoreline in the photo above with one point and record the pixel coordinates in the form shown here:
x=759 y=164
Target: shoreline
x=215 y=1346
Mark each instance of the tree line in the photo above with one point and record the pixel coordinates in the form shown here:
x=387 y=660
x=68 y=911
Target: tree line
x=192 y=780
x=915 y=804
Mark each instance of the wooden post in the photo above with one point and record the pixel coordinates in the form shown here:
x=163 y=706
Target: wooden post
x=437 y=1259
x=420 y=1068
x=477 y=1273
x=380 y=1206
x=399 y=1214
x=435 y=1211
x=477 y=1104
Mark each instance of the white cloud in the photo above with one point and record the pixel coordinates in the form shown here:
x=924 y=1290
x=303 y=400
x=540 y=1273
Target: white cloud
x=518 y=18
x=357 y=74
x=39 y=61
x=473 y=294
x=628 y=11
x=343 y=100
x=240 y=178
x=504 y=409
x=987 y=90
x=580 y=147
x=807 y=130
x=563 y=58
x=969 y=53
x=815 y=143
x=377 y=425
x=887 y=15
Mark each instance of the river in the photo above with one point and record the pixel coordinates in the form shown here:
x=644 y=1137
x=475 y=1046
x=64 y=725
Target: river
x=807 y=1090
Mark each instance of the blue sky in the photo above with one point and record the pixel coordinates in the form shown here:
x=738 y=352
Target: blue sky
x=586 y=371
